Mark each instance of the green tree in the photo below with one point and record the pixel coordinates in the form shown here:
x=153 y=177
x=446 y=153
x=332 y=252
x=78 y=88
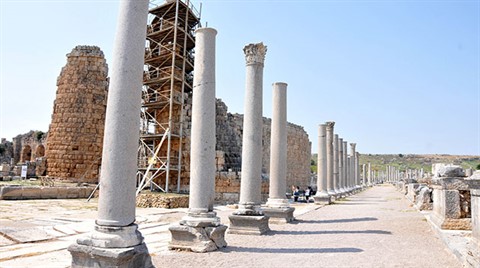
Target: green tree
x=478 y=167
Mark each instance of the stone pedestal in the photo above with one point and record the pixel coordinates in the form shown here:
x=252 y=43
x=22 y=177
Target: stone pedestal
x=248 y=225
x=109 y=246
x=87 y=256
x=197 y=239
x=279 y=214
x=116 y=242
x=450 y=204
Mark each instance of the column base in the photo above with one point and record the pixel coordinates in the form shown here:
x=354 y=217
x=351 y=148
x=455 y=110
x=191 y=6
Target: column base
x=322 y=199
x=279 y=215
x=197 y=239
x=90 y=256
x=248 y=224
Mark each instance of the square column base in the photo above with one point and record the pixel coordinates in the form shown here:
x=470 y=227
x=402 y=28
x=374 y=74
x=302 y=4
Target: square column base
x=90 y=256
x=279 y=215
x=324 y=200
x=248 y=225
x=197 y=239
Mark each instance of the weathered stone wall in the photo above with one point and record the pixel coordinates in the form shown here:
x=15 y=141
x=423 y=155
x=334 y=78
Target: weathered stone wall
x=29 y=146
x=75 y=136
x=229 y=150
x=6 y=151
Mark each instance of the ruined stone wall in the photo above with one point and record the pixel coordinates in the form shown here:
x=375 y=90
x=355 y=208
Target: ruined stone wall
x=75 y=136
x=229 y=149
x=29 y=146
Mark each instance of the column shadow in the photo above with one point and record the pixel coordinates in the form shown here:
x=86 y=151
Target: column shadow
x=339 y=220
x=290 y=250
x=329 y=232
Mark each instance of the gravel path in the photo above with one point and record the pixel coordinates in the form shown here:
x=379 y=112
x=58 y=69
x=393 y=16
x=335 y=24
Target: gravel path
x=375 y=228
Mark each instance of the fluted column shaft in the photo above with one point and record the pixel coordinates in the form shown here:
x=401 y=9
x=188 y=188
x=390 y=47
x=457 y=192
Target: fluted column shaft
x=330 y=159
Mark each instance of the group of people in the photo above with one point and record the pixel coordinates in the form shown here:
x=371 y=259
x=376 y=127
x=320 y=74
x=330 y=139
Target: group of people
x=307 y=193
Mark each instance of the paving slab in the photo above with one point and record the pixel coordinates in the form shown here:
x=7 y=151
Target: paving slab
x=25 y=235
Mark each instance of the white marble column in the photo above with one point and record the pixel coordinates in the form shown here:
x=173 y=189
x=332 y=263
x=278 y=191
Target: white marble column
x=341 y=176
x=330 y=159
x=251 y=178
x=357 y=169
x=200 y=213
x=116 y=234
x=364 y=173
x=336 y=171
x=278 y=207
x=353 y=166
x=369 y=175
x=346 y=175
x=322 y=195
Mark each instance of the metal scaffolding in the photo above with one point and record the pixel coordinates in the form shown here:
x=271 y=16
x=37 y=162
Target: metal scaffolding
x=167 y=82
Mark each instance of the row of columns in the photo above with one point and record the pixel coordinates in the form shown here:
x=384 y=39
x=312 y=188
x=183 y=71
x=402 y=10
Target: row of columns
x=338 y=173
x=116 y=240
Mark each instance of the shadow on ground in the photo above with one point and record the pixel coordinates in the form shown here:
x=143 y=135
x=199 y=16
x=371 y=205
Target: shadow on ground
x=339 y=220
x=328 y=232
x=291 y=250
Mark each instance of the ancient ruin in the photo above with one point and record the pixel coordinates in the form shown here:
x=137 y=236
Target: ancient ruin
x=75 y=136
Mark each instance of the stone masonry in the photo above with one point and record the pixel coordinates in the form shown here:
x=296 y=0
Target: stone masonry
x=75 y=136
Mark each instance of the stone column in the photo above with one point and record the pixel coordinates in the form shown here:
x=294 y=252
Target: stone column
x=330 y=156
x=278 y=208
x=249 y=218
x=369 y=175
x=116 y=240
x=353 y=155
x=322 y=197
x=201 y=221
x=341 y=175
x=346 y=175
x=357 y=169
x=336 y=171
x=364 y=173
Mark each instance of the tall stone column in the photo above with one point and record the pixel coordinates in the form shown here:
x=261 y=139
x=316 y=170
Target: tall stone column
x=116 y=240
x=369 y=175
x=341 y=175
x=353 y=155
x=278 y=208
x=357 y=169
x=201 y=222
x=346 y=175
x=330 y=159
x=364 y=173
x=249 y=218
x=322 y=197
x=336 y=171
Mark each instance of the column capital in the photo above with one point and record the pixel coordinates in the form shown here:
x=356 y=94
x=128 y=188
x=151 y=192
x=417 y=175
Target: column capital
x=352 y=145
x=330 y=125
x=255 y=53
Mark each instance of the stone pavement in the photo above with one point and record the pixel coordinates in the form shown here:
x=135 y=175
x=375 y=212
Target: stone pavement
x=375 y=228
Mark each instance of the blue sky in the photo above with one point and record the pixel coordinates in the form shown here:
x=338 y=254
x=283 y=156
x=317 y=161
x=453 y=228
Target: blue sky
x=396 y=76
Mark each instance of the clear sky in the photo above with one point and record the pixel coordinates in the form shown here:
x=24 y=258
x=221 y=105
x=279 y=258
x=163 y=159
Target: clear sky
x=396 y=76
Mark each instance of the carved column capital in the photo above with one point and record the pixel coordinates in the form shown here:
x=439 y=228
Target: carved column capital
x=255 y=53
x=330 y=125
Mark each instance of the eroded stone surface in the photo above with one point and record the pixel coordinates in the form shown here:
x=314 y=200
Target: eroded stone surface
x=248 y=225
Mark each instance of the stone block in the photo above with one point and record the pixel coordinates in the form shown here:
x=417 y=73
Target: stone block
x=424 y=199
x=197 y=239
x=443 y=170
x=279 y=215
x=447 y=210
x=322 y=200
x=129 y=257
x=248 y=225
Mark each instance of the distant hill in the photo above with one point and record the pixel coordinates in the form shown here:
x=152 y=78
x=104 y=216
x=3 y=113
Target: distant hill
x=412 y=161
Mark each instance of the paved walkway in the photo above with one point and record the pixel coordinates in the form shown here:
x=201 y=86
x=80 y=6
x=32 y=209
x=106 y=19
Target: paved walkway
x=375 y=228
